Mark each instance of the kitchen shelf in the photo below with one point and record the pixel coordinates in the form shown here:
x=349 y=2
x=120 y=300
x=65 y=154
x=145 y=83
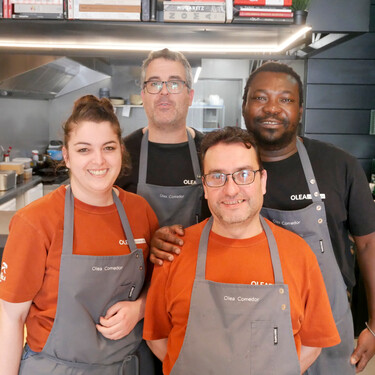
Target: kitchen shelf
x=88 y=35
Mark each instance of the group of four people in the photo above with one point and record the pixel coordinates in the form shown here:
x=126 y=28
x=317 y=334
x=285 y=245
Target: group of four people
x=244 y=295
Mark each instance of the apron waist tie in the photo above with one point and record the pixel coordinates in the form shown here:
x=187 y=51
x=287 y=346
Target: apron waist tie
x=129 y=366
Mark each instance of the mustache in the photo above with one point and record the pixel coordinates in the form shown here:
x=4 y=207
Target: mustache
x=164 y=100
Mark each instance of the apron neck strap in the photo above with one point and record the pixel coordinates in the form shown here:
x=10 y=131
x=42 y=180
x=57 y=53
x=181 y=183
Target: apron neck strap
x=308 y=171
x=69 y=222
x=200 y=272
x=194 y=158
x=143 y=158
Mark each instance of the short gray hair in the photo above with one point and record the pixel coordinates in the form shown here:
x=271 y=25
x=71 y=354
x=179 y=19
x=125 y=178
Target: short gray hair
x=172 y=56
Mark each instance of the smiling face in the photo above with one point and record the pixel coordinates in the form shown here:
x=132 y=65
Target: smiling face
x=272 y=111
x=234 y=206
x=93 y=155
x=165 y=109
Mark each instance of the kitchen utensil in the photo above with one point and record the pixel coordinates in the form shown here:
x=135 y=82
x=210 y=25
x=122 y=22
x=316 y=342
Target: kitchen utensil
x=7 y=180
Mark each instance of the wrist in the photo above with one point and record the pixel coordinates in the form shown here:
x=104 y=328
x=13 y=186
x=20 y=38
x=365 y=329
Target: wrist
x=370 y=329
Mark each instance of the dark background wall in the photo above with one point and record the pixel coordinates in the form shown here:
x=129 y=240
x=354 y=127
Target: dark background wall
x=340 y=81
x=340 y=93
x=339 y=15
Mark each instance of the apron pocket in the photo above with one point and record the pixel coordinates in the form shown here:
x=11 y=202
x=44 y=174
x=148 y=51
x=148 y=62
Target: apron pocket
x=130 y=366
x=263 y=346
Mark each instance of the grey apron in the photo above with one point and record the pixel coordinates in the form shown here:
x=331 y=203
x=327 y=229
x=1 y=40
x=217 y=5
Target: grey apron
x=311 y=224
x=235 y=328
x=172 y=204
x=88 y=286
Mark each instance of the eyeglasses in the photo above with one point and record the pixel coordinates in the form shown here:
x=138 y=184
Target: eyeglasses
x=243 y=177
x=174 y=87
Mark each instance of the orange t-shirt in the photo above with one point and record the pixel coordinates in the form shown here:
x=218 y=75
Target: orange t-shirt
x=245 y=261
x=33 y=250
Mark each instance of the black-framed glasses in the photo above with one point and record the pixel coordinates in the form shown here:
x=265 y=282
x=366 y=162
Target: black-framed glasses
x=243 y=177
x=174 y=86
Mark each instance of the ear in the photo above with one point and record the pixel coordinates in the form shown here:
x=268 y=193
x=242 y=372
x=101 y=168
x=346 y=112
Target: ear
x=263 y=180
x=300 y=113
x=191 y=96
x=204 y=188
x=66 y=156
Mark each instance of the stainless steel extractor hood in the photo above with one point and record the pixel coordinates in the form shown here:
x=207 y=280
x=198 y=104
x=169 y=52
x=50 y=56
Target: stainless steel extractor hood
x=43 y=77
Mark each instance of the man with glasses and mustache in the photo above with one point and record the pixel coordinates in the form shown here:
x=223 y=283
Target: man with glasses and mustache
x=244 y=296
x=165 y=165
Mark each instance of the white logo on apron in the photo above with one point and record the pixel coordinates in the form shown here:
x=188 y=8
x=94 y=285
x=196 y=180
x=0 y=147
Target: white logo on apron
x=241 y=299
x=107 y=268
x=136 y=240
x=301 y=197
x=4 y=268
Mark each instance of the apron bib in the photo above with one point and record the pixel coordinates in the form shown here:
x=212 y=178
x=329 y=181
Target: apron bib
x=311 y=224
x=172 y=204
x=235 y=328
x=88 y=286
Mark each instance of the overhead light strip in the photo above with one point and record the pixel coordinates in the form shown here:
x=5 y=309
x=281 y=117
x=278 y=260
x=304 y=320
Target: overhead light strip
x=129 y=46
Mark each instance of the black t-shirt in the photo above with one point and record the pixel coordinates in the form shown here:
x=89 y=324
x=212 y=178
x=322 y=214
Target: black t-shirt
x=344 y=189
x=167 y=164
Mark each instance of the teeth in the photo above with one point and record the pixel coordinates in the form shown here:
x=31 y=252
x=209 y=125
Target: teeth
x=234 y=202
x=98 y=172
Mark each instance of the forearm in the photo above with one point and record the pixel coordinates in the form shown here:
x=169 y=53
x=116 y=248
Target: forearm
x=308 y=356
x=142 y=301
x=366 y=261
x=11 y=342
x=158 y=347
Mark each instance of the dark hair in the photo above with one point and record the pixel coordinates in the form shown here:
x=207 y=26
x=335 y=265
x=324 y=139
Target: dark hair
x=171 y=56
x=229 y=135
x=274 y=67
x=90 y=108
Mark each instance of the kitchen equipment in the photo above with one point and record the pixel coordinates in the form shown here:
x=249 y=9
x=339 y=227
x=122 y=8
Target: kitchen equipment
x=11 y=165
x=26 y=162
x=55 y=154
x=54 y=150
x=136 y=99
x=7 y=180
x=104 y=92
x=55 y=144
x=27 y=174
x=117 y=101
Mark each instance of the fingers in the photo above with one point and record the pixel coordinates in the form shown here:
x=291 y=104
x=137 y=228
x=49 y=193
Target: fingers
x=364 y=351
x=113 y=310
x=178 y=229
x=155 y=260
x=169 y=234
x=163 y=244
x=114 y=332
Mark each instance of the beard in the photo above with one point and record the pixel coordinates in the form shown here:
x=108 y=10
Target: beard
x=272 y=139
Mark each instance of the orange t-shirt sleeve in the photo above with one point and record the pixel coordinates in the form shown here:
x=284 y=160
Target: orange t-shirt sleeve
x=25 y=261
x=157 y=324
x=318 y=328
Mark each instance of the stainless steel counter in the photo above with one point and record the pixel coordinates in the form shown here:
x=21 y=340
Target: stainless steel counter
x=19 y=189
